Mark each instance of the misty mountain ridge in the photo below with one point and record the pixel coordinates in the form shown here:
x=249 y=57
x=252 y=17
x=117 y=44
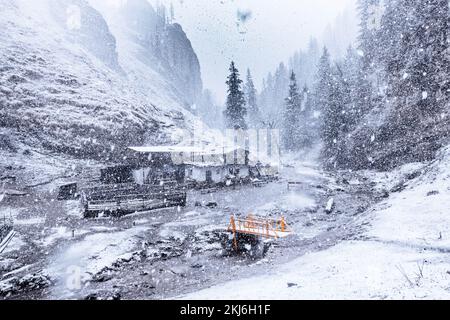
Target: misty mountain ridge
x=151 y=37
x=70 y=84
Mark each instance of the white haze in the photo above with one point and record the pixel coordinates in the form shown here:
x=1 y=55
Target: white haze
x=275 y=30
x=272 y=32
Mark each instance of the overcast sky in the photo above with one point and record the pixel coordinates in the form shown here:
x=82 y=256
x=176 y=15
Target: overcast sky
x=274 y=30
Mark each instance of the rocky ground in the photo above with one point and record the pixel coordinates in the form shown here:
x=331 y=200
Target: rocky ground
x=168 y=253
x=396 y=248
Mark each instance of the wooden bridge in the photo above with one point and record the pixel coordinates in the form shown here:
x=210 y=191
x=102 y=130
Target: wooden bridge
x=258 y=227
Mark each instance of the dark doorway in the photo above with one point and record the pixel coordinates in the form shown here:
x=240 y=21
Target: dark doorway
x=209 y=176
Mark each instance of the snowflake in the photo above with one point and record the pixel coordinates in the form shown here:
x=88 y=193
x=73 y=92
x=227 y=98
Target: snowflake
x=424 y=95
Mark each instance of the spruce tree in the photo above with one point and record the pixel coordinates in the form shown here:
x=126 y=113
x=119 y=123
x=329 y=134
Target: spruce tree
x=333 y=124
x=368 y=39
x=291 y=116
x=427 y=55
x=282 y=81
x=417 y=63
x=370 y=47
x=235 y=107
x=307 y=123
x=395 y=87
x=251 y=101
x=323 y=82
x=356 y=90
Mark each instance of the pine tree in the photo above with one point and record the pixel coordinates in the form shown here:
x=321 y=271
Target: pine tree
x=394 y=33
x=307 y=123
x=280 y=91
x=427 y=64
x=417 y=65
x=274 y=91
x=235 y=107
x=330 y=99
x=282 y=80
x=266 y=97
x=251 y=100
x=395 y=87
x=323 y=82
x=291 y=116
x=334 y=122
x=369 y=50
x=368 y=39
x=357 y=90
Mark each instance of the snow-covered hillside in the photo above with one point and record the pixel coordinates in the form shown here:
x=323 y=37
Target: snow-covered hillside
x=146 y=35
x=65 y=86
x=401 y=254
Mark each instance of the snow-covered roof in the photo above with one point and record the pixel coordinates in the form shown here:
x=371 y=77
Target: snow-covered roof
x=209 y=150
x=205 y=164
x=166 y=149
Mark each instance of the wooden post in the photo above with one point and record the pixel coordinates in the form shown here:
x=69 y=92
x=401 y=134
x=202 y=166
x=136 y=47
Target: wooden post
x=233 y=227
x=283 y=225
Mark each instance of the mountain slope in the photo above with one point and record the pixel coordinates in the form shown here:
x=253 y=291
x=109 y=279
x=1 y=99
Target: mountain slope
x=144 y=34
x=62 y=87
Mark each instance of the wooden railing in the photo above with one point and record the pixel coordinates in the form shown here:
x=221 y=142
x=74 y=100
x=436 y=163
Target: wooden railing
x=260 y=227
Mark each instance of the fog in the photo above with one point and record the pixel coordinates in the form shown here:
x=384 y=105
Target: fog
x=267 y=32
x=256 y=34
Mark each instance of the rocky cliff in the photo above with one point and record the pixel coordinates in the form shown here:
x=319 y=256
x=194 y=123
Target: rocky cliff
x=68 y=86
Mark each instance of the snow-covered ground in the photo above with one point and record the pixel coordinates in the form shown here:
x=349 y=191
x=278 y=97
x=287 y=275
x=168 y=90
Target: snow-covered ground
x=402 y=254
x=394 y=248
x=163 y=253
x=90 y=256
